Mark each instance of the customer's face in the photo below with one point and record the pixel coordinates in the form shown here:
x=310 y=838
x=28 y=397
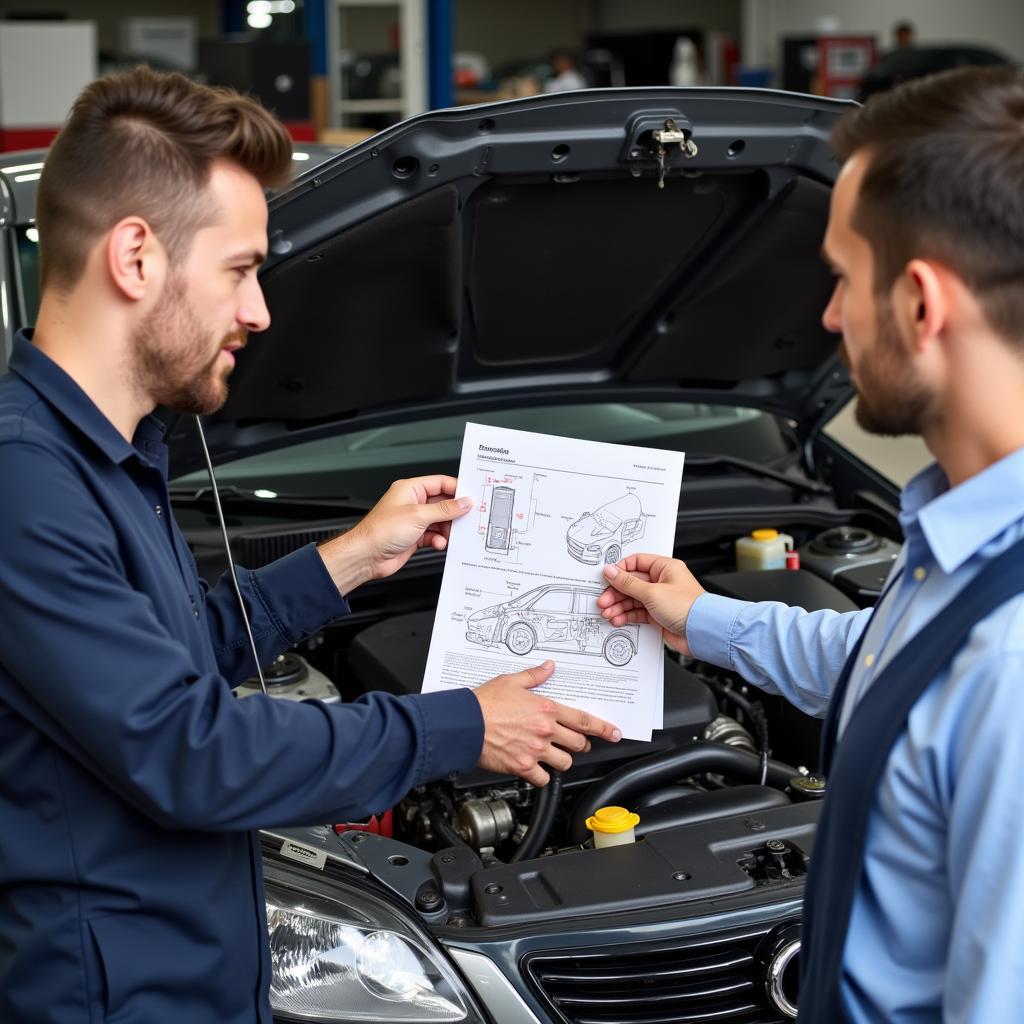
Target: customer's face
x=892 y=398
x=184 y=349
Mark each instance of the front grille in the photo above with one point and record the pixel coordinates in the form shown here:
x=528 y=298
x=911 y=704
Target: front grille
x=712 y=978
x=576 y=548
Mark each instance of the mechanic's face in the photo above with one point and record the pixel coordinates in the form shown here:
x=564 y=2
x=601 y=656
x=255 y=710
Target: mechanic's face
x=184 y=348
x=892 y=399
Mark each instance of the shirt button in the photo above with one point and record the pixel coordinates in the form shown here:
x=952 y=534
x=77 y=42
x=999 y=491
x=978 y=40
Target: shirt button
x=869 y=660
x=919 y=574
x=159 y=510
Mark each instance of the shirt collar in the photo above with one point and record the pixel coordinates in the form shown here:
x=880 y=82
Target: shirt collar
x=957 y=522
x=60 y=391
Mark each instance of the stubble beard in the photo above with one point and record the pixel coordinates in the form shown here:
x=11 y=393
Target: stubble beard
x=892 y=400
x=171 y=360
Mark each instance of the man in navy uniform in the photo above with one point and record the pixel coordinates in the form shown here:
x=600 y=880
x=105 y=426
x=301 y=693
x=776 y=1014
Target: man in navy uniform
x=131 y=779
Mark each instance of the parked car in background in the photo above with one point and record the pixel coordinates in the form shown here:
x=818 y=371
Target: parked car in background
x=519 y=265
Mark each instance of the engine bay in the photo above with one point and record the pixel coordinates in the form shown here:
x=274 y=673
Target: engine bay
x=500 y=851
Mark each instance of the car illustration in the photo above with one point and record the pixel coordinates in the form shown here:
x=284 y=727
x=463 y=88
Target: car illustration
x=601 y=535
x=414 y=283
x=554 y=618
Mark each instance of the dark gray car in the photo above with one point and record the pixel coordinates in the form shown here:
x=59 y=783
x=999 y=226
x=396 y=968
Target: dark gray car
x=622 y=265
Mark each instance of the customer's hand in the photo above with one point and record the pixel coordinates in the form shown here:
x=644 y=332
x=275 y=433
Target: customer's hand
x=412 y=514
x=651 y=588
x=523 y=728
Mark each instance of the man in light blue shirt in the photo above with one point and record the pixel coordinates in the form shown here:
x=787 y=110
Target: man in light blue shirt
x=926 y=237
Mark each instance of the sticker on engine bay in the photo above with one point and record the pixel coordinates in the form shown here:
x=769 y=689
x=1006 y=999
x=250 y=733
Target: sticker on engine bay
x=524 y=570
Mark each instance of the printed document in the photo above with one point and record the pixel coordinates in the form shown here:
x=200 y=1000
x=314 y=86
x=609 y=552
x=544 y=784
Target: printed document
x=524 y=570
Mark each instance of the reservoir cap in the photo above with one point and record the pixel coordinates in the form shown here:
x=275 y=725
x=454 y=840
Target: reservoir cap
x=612 y=820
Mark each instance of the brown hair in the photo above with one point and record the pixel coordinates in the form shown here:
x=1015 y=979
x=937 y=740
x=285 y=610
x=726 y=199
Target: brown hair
x=945 y=181
x=142 y=143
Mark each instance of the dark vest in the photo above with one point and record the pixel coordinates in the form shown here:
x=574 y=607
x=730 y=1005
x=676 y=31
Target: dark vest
x=855 y=767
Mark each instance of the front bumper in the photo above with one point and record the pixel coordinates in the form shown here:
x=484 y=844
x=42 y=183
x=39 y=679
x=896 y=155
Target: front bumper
x=581 y=554
x=482 y=632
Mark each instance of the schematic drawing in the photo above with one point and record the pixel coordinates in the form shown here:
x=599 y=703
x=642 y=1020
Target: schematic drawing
x=499 y=524
x=557 y=617
x=507 y=508
x=601 y=535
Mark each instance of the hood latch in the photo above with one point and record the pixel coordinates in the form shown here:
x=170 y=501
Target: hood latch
x=672 y=135
x=653 y=135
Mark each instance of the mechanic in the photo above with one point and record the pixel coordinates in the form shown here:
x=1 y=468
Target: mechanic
x=915 y=908
x=131 y=779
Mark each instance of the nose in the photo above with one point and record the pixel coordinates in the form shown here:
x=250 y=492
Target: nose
x=253 y=314
x=831 y=319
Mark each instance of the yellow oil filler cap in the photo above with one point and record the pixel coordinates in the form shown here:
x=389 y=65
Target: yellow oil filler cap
x=764 y=535
x=613 y=826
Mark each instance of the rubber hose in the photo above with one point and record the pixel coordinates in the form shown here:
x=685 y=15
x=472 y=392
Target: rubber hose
x=716 y=803
x=544 y=810
x=626 y=783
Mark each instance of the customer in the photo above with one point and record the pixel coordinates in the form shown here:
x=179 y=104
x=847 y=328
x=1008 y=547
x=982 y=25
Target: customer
x=916 y=895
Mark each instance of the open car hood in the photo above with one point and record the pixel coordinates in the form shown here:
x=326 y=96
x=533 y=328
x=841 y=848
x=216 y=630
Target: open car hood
x=523 y=252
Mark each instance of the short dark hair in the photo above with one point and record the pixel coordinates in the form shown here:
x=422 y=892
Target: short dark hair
x=945 y=181
x=142 y=143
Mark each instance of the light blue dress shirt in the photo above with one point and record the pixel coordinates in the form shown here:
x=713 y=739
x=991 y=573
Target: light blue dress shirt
x=937 y=928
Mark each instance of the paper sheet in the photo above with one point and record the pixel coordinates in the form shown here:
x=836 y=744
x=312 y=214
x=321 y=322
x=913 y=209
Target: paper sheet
x=523 y=570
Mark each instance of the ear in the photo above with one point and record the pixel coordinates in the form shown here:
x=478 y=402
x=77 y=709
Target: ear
x=921 y=303
x=135 y=259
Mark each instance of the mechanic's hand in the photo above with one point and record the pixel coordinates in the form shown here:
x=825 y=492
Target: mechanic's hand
x=522 y=728
x=651 y=588
x=415 y=513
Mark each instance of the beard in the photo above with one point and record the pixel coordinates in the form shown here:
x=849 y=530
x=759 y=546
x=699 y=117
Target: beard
x=892 y=400
x=171 y=355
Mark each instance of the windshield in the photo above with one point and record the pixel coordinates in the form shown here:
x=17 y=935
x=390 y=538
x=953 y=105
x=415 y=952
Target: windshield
x=608 y=520
x=361 y=464
x=524 y=599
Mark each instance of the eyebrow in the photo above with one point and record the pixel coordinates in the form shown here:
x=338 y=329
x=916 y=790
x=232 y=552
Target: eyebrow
x=250 y=257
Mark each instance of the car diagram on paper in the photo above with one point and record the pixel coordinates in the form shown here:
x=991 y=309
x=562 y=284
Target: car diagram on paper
x=602 y=536
x=556 y=617
x=524 y=569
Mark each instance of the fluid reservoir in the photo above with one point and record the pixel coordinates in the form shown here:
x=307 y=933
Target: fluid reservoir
x=613 y=826
x=763 y=549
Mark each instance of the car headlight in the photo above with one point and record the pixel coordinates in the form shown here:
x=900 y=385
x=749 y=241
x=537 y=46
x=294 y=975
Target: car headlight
x=354 y=958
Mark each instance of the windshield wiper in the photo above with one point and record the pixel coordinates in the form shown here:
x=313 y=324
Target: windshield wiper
x=810 y=486
x=265 y=501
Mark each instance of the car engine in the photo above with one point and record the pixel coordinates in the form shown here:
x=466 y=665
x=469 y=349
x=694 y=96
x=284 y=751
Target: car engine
x=728 y=804
x=726 y=749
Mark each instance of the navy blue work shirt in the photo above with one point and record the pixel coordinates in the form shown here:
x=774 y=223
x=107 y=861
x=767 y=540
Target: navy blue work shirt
x=131 y=778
